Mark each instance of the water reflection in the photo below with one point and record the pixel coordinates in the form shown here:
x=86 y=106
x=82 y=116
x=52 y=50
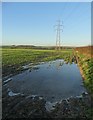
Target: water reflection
x=54 y=80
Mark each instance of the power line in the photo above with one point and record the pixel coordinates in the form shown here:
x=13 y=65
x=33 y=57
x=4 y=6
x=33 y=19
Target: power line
x=72 y=12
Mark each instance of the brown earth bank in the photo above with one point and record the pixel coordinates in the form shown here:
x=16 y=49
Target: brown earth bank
x=86 y=50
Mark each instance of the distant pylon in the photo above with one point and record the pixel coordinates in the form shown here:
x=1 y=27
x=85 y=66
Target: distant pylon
x=58 y=39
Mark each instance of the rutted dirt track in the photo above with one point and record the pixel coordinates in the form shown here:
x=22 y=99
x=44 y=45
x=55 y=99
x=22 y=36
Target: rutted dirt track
x=22 y=106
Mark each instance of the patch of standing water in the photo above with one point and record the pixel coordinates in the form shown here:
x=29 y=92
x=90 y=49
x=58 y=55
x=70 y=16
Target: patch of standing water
x=9 y=79
x=10 y=93
x=50 y=105
x=53 y=80
x=27 y=66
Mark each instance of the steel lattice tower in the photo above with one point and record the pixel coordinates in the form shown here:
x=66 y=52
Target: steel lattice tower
x=58 y=39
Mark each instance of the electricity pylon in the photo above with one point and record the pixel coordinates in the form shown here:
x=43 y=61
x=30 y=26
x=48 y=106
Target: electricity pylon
x=58 y=39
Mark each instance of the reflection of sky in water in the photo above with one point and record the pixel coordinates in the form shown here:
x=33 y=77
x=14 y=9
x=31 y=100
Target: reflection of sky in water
x=53 y=80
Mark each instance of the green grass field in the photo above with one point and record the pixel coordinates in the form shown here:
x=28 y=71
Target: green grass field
x=13 y=59
x=23 y=56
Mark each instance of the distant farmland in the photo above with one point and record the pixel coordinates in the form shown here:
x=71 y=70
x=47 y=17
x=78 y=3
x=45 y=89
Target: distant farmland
x=37 y=47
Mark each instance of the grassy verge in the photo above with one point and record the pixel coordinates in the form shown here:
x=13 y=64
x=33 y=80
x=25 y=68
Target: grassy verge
x=86 y=68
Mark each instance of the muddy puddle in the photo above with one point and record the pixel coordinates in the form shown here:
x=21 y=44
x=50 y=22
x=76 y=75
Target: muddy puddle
x=53 y=81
